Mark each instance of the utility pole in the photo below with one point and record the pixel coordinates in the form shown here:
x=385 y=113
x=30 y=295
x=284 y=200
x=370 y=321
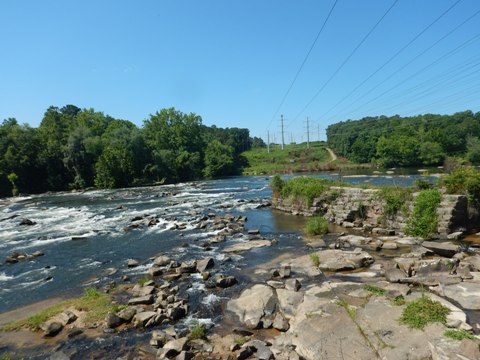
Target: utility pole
x=308 y=134
x=268 y=142
x=318 y=130
x=281 y=124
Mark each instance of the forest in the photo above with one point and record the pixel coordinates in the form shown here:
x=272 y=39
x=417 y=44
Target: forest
x=423 y=140
x=75 y=148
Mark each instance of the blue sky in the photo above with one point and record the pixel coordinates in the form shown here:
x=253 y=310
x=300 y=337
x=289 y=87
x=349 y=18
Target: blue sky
x=232 y=61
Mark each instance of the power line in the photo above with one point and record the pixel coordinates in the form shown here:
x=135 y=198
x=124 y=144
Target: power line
x=345 y=61
x=303 y=63
x=399 y=52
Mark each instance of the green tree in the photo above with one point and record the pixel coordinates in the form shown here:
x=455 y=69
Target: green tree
x=473 y=150
x=431 y=153
x=218 y=159
x=114 y=168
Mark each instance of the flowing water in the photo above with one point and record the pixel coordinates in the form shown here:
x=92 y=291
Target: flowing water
x=86 y=237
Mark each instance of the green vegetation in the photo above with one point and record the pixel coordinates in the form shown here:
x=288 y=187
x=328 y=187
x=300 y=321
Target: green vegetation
x=304 y=189
x=423 y=311
x=351 y=310
x=197 y=331
x=424 y=220
x=294 y=158
x=242 y=340
x=398 y=300
x=96 y=304
x=395 y=198
x=421 y=140
x=459 y=335
x=77 y=148
x=374 y=290
x=5 y=357
x=316 y=225
x=464 y=180
x=315 y=259
x=141 y=281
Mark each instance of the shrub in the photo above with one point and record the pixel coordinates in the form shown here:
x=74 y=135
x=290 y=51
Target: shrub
x=395 y=198
x=305 y=188
x=277 y=184
x=143 y=280
x=316 y=225
x=424 y=220
x=423 y=311
x=398 y=300
x=464 y=180
x=315 y=259
x=197 y=331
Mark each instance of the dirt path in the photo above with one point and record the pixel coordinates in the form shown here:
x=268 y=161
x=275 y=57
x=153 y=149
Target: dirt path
x=331 y=153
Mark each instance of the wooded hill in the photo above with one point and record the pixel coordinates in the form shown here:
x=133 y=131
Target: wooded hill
x=408 y=141
x=77 y=148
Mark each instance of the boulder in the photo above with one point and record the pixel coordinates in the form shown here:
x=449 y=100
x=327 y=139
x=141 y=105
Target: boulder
x=132 y=263
x=27 y=222
x=292 y=284
x=161 y=260
x=155 y=271
x=394 y=275
x=289 y=301
x=247 y=245
x=146 y=300
x=177 y=345
x=225 y=281
x=127 y=314
x=51 y=328
x=176 y=313
x=113 y=321
x=467 y=294
x=339 y=260
x=205 y=264
x=280 y=323
x=447 y=249
x=141 y=319
x=285 y=271
x=262 y=351
x=252 y=304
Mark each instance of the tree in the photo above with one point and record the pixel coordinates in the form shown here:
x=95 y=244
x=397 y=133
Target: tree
x=218 y=160
x=473 y=150
x=114 y=168
x=431 y=153
x=12 y=177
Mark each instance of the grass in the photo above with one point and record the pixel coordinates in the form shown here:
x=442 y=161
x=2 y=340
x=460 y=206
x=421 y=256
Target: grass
x=395 y=198
x=351 y=311
x=294 y=158
x=306 y=189
x=96 y=304
x=197 y=331
x=398 y=300
x=423 y=311
x=143 y=280
x=316 y=225
x=459 y=335
x=423 y=221
x=315 y=259
x=374 y=290
x=241 y=340
x=5 y=357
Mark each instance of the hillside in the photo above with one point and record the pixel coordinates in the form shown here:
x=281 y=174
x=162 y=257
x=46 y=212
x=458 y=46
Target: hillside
x=294 y=158
x=411 y=141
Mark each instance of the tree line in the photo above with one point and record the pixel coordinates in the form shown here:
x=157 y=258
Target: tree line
x=75 y=148
x=408 y=141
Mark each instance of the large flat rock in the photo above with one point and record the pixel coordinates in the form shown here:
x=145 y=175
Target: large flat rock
x=467 y=294
x=247 y=245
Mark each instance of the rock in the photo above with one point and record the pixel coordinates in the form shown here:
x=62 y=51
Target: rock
x=113 y=321
x=285 y=271
x=159 y=338
x=74 y=332
x=186 y=268
x=446 y=249
x=52 y=328
x=244 y=353
x=127 y=314
x=245 y=246
x=394 y=275
x=205 y=264
x=177 y=345
x=161 y=260
x=467 y=294
x=172 y=277
x=253 y=232
x=262 y=352
x=38 y=253
x=163 y=354
x=155 y=271
x=147 y=299
x=280 y=323
x=317 y=244
x=289 y=301
x=253 y=304
x=389 y=246
x=185 y=355
x=141 y=319
x=132 y=263
x=58 y=355
x=276 y=284
x=474 y=262
x=205 y=275
x=142 y=291
x=176 y=313
x=67 y=317
x=455 y=235
x=339 y=260
x=27 y=222
x=292 y=284
x=225 y=281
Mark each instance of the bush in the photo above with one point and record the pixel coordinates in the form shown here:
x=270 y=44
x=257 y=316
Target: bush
x=424 y=220
x=395 y=198
x=423 y=311
x=464 y=180
x=306 y=188
x=197 y=332
x=316 y=225
x=315 y=259
x=277 y=184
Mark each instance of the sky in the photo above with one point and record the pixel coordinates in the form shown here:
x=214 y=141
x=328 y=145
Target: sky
x=239 y=63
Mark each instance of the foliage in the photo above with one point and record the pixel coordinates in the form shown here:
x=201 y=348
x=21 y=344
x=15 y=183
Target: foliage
x=77 y=148
x=315 y=259
x=374 y=290
x=277 y=184
x=5 y=357
x=241 y=340
x=219 y=159
x=473 y=150
x=398 y=300
x=351 y=310
x=419 y=313
x=395 y=198
x=464 y=180
x=143 y=280
x=459 y=334
x=96 y=304
x=424 y=220
x=294 y=158
x=197 y=331
x=305 y=188
x=395 y=141
x=316 y=225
